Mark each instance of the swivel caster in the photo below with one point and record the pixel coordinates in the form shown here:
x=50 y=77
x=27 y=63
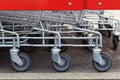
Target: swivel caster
x=26 y=63
x=66 y=63
x=115 y=41
x=106 y=66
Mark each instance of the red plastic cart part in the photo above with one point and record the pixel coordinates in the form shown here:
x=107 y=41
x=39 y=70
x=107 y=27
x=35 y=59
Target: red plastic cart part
x=103 y=4
x=58 y=4
x=41 y=4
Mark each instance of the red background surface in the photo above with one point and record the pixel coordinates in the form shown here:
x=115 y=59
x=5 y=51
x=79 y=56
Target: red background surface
x=41 y=4
x=106 y=4
x=58 y=4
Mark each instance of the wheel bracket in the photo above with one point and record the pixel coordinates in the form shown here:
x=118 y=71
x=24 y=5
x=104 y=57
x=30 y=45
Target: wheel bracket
x=97 y=56
x=55 y=55
x=15 y=57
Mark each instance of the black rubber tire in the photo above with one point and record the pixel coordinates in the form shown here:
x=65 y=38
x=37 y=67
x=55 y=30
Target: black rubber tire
x=66 y=63
x=28 y=48
x=63 y=48
x=26 y=63
x=115 y=41
x=106 y=66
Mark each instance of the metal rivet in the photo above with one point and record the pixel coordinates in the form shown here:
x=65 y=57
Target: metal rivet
x=69 y=3
x=99 y=3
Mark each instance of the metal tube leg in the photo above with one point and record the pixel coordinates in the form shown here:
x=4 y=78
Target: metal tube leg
x=90 y=41
x=97 y=57
x=55 y=55
x=14 y=56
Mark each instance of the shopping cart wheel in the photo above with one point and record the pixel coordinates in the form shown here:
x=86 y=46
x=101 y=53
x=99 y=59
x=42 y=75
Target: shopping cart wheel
x=26 y=63
x=29 y=48
x=105 y=67
x=63 y=48
x=66 y=62
x=115 y=41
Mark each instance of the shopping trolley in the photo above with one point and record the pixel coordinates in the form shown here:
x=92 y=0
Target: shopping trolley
x=106 y=23
x=18 y=26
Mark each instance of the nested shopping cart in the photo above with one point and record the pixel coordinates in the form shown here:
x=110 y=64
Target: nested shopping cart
x=106 y=23
x=52 y=28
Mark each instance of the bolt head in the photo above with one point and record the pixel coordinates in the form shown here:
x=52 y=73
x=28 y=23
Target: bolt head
x=69 y=3
x=99 y=3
